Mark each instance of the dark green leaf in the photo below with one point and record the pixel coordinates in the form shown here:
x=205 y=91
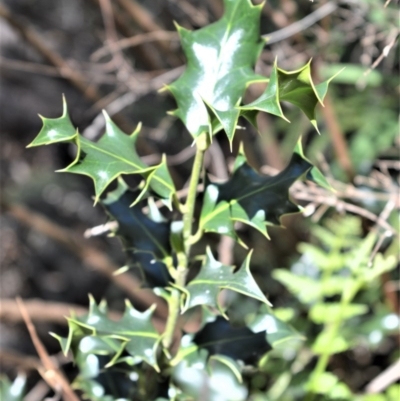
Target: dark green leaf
x=220 y=65
x=146 y=241
x=250 y=198
x=219 y=337
x=314 y=174
x=214 y=276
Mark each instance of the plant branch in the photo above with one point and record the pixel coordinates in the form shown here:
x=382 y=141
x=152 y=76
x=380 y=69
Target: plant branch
x=183 y=257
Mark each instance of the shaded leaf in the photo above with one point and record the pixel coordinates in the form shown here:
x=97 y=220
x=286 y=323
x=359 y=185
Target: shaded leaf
x=220 y=65
x=212 y=380
x=278 y=332
x=295 y=87
x=251 y=198
x=314 y=174
x=113 y=155
x=219 y=337
x=96 y=333
x=214 y=276
x=145 y=241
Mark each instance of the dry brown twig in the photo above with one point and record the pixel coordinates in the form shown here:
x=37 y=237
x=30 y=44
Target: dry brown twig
x=145 y=20
x=392 y=39
x=32 y=37
x=135 y=41
x=48 y=369
x=91 y=256
x=53 y=312
x=302 y=24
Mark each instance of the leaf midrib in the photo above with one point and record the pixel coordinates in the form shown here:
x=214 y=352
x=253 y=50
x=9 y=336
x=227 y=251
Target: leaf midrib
x=223 y=206
x=139 y=170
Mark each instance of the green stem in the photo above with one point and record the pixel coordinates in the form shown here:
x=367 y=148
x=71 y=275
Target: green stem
x=202 y=145
x=183 y=257
x=323 y=360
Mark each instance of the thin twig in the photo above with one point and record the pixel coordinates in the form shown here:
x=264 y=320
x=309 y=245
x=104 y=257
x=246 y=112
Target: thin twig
x=92 y=131
x=385 y=52
x=302 y=24
x=384 y=379
x=49 y=371
x=145 y=20
x=54 y=58
x=53 y=312
x=91 y=256
x=135 y=41
x=42 y=69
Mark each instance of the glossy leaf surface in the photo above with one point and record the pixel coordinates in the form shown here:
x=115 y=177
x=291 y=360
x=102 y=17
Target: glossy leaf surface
x=145 y=241
x=14 y=391
x=113 y=155
x=55 y=129
x=214 y=276
x=220 y=65
x=251 y=198
x=212 y=379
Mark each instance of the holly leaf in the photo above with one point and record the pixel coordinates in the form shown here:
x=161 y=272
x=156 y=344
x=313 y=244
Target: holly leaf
x=221 y=338
x=145 y=241
x=55 y=129
x=278 y=333
x=251 y=198
x=220 y=66
x=295 y=87
x=213 y=277
x=108 y=158
x=194 y=370
x=314 y=174
x=96 y=333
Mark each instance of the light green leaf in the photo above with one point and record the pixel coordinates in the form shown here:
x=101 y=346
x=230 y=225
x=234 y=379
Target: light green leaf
x=296 y=87
x=305 y=289
x=55 y=129
x=220 y=65
x=331 y=312
x=113 y=155
x=323 y=383
x=214 y=276
x=325 y=343
x=96 y=333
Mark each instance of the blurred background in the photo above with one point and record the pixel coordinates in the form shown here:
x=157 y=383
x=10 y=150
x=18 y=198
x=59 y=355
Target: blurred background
x=116 y=55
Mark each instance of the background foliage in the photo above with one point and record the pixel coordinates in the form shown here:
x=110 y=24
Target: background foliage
x=363 y=110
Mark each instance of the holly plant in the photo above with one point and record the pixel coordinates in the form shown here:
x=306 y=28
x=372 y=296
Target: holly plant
x=129 y=359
